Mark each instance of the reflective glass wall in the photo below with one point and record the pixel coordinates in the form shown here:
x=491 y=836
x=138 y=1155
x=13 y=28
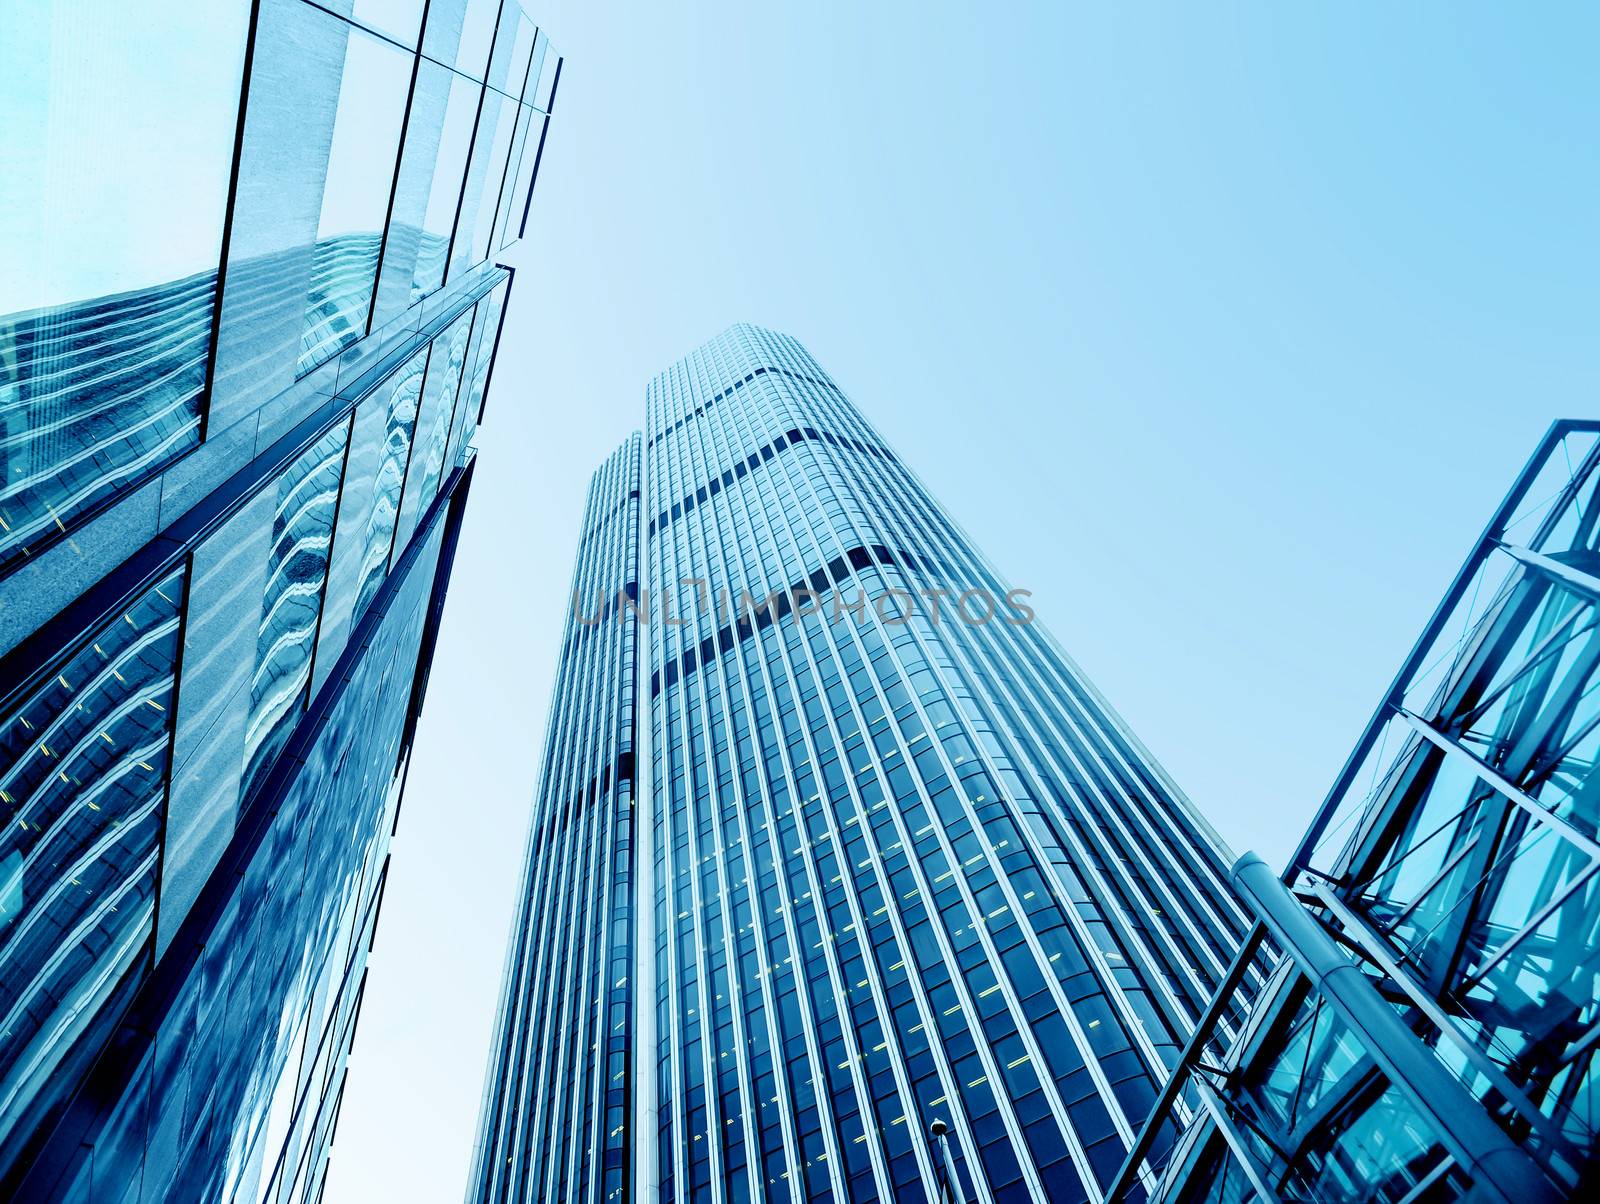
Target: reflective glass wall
x=235 y=461
x=1430 y=1028
x=181 y=289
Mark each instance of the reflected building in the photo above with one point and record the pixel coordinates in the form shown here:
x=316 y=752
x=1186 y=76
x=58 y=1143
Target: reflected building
x=843 y=881
x=252 y=309
x=1431 y=1013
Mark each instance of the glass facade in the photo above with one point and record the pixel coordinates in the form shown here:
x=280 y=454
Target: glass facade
x=885 y=857
x=1429 y=1025
x=236 y=456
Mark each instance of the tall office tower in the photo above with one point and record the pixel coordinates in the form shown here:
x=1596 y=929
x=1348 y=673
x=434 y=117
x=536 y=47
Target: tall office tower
x=860 y=893
x=1431 y=1020
x=252 y=308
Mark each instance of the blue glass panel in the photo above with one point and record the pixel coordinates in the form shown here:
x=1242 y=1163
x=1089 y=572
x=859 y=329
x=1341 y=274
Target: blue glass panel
x=519 y=178
x=477 y=33
x=400 y=19
x=83 y=760
x=498 y=126
x=444 y=373
x=400 y=395
x=117 y=144
x=302 y=526
x=444 y=194
x=355 y=195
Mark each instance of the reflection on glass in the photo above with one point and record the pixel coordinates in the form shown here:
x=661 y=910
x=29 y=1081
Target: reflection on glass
x=489 y=321
x=454 y=343
x=1308 y=1059
x=1377 y=1150
x=515 y=72
x=444 y=194
x=1218 y=1179
x=477 y=33
x=400 y=19
x=84 y=761
x=433 y=430
x=355 y=196
x=302 y=529
x=506 y=113
x=117 y=144
x=525 y=157
x=541 y=74
x=404 y=395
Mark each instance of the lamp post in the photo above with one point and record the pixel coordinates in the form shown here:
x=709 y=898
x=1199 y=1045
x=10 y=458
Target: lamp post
x=941 y=1145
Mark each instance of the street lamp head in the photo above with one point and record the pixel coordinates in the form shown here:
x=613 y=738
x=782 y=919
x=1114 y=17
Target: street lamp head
x=938 y=1128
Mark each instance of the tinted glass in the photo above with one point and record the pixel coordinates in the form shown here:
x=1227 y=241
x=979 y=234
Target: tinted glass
x=444 y=195
x=355 y=196
x=401 y=19
x=400 y=397
x=84 y=761
x=308 y=496
x=117 y=144
x=506 y=113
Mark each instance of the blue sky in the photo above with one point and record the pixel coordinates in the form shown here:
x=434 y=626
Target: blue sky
x=1221 y=328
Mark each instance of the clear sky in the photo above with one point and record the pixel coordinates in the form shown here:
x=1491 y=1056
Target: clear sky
x=1222 y=328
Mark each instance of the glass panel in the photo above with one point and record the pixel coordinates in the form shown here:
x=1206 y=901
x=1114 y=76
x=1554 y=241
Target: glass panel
x=444 y=195
x=85 y=759
x=1217 y=1179
x=516 y=76
x=514 y=195
x=433 y=426
x=482 y=185
x=302 y=525
x=1440 y=805
x=489 y=310
x=355 y=196
x=1309 y=1059
x=477 y=33
x=404 y=393
x=1548 y=500
x=541 y=74
x=1374 y=1152
x=117 y=144
x=505 y=122
x=1559 y=517
x=400 y=19
x=469 y=359
x=1526 y=649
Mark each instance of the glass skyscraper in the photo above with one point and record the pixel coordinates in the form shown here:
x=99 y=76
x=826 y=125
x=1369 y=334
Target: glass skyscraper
x=250 y=312
x=1431 y=1017
x=843 y=882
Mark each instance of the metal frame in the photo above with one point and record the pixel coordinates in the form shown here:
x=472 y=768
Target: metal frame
x=1311 y=928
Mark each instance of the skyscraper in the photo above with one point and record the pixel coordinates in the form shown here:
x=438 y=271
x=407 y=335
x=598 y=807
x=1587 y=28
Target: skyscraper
x=843 y=882
x=251 y=310
x=1432 y=1017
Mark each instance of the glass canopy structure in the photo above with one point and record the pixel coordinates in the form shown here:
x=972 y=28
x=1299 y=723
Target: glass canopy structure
x=1432 y=952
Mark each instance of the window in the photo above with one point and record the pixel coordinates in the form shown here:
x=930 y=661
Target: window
x=444 y=192
x=85 y=758
x=400 y=395
x=117 y=143
x=355 y=196
x=291 y=604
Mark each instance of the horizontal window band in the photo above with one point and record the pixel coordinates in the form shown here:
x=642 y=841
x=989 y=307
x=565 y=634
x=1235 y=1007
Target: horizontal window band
x=777 y=606
x=737 y=385
x=790 y=437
